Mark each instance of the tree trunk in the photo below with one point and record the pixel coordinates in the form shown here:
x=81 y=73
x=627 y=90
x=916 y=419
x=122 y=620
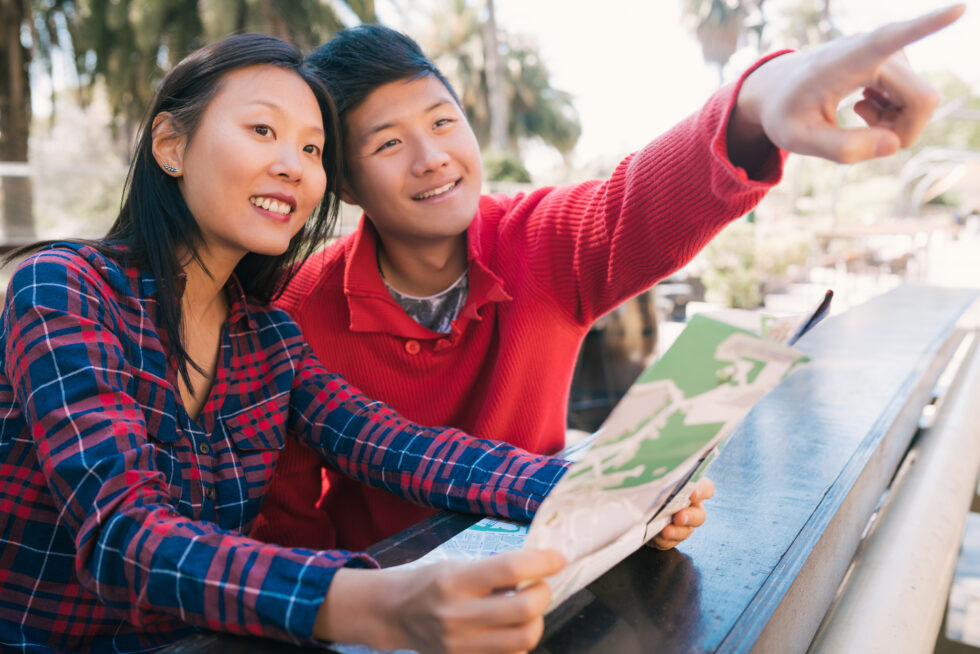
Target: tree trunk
x=364 y=10
x=15 y=121
x=495 y=85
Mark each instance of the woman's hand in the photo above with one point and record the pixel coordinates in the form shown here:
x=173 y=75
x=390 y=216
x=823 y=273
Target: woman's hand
x=444 y=607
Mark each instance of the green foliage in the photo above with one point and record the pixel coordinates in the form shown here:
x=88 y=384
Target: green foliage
x=739 y=268
x=954 y=130
x=537 y=110
x=808 y=23
x=731 y=278
x=504 y=167
x=129 y=45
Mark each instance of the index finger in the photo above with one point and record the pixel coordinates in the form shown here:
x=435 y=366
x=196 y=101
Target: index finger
x=510 y=569
x=889 y=39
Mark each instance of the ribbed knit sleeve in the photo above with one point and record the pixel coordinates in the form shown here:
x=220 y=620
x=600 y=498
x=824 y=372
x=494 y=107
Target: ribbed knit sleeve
x=588 y=247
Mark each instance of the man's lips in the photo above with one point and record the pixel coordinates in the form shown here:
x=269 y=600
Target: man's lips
x=437 y=191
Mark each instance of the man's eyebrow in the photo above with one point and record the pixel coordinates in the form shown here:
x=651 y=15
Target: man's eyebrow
x=383 y=126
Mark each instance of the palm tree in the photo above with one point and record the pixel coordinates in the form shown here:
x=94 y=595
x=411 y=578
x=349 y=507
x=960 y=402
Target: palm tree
x=810 y=23
x=459 y=42
x=15 y=118
x=127 y=45
x=721 y=24
x=130 y=44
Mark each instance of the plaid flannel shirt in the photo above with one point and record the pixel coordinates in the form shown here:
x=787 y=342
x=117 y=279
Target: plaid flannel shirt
x=123 y=521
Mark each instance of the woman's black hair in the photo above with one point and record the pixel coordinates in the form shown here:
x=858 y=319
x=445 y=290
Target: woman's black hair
x=154 y=223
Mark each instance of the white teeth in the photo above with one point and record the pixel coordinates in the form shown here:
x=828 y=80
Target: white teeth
x=270 y=204
x=436 y=191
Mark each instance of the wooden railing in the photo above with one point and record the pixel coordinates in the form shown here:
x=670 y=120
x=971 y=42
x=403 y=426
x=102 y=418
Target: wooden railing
x=797 y=487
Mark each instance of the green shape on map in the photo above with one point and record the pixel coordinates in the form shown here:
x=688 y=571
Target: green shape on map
x=656 y=456
x=757 y=366
x=498 y=527
x=690 y=362
x=599 y=446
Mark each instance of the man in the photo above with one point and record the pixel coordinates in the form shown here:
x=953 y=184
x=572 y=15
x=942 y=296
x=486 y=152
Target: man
x=469 y=311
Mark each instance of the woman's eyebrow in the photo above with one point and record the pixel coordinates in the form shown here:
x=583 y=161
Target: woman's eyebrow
x=278 y=108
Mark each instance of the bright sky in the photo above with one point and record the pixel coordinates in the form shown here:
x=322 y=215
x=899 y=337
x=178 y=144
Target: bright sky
x=635 y=70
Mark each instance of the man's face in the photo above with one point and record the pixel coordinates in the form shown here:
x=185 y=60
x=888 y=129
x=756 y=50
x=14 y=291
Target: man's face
x=413 y=161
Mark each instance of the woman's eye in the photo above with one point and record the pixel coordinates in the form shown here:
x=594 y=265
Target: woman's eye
x=387 y=144
x=312 y=149
x=443 y=121
x=262 y=130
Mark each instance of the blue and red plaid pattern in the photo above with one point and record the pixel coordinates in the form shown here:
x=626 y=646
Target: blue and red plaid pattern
x=123 y=522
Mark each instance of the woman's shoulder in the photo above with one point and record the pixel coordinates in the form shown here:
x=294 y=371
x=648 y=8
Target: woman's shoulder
x=76 y=256
x=72 y=264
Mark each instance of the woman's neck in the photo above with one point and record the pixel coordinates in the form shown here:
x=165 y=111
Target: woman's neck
x=205 y=282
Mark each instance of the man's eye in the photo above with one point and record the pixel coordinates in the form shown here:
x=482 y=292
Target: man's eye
x=444 y=121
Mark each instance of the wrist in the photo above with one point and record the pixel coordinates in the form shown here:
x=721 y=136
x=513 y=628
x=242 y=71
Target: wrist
x=358 y=608
x=745 y=121
x=749 y=146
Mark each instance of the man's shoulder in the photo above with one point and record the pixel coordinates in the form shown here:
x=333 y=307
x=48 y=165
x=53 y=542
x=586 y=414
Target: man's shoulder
x=319 y=271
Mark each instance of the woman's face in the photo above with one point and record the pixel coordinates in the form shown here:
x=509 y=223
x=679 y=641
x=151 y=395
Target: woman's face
x=251 y=173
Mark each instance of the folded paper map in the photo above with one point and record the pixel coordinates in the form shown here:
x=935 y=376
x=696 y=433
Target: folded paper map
x=640 y=467
x=654 y=446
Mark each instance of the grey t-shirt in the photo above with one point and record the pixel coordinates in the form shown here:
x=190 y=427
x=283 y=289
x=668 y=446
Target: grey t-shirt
x=438 y=311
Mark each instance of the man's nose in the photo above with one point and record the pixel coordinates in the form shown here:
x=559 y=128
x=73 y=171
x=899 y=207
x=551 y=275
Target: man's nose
x=430 y=157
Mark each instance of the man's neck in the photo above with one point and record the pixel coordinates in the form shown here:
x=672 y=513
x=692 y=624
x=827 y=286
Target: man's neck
x=422 y=269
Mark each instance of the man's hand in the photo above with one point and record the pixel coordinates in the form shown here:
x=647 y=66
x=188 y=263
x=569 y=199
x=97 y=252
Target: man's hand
x=686 y=520
x=492 y=605
x=792 y=100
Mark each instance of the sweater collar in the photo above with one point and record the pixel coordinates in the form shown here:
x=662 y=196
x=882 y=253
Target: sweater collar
x=373 y=310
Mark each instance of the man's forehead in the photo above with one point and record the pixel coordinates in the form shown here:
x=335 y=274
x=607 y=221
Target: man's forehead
x=395 y=102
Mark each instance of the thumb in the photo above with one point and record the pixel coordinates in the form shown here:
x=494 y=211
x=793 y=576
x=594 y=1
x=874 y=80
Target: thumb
x=849 y=145
x=511 y=569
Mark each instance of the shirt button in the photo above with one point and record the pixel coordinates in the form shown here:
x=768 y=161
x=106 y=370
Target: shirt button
x=204 y=448
x=412 y=347
x=209 y=493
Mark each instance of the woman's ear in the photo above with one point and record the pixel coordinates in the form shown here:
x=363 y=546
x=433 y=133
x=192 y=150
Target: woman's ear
x=168 y=143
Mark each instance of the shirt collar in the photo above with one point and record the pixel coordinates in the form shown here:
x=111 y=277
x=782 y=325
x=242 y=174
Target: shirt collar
x=373 y=310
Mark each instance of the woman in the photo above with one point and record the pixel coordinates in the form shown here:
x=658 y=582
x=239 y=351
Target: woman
x=147 y=388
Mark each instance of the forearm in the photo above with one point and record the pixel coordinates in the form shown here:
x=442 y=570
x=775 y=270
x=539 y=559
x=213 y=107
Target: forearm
x=132 y=565
x=592 y=246
x=433 y=466
x=358 y=608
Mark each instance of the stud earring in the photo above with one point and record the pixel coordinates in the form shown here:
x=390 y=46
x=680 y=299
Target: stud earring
x=170 y=169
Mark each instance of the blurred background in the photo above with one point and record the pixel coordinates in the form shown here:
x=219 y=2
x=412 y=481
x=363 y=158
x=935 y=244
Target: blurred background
x=557 y=91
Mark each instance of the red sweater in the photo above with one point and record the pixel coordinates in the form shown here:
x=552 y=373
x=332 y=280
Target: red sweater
x=543 y=267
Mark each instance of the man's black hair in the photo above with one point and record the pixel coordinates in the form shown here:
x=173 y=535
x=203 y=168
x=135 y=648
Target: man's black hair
x=358 y=60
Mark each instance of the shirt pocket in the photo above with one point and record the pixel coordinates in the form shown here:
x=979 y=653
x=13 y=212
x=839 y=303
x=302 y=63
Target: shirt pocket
x=261 y=426
x=257 y=433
